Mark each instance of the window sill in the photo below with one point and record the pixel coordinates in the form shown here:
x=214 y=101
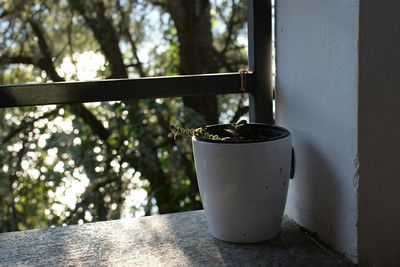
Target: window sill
x=168 y=240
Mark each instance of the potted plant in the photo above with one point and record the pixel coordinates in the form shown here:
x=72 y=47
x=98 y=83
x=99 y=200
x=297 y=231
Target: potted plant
x=242 y=171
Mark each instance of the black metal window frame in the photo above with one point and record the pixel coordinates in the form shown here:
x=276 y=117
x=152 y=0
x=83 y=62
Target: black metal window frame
x=258 y=81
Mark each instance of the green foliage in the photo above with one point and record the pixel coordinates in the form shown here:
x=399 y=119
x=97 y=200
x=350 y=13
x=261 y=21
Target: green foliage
x=54 y=167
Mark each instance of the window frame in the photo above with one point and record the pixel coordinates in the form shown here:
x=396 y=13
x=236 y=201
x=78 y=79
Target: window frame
x=258 y=81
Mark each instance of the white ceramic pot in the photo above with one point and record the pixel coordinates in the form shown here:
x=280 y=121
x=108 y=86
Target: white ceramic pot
x=243 y=186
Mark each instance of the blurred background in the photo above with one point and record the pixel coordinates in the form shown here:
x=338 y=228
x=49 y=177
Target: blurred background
x=77 y=163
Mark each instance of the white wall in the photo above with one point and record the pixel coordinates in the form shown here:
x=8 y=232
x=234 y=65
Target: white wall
x=379 y=133
x=317 y=96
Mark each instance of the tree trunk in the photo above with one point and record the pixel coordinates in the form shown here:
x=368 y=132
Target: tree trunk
x=193 y=24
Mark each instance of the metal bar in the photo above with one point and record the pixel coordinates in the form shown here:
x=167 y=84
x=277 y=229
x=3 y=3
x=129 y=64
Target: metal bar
x=121 y=89
x=260 y=59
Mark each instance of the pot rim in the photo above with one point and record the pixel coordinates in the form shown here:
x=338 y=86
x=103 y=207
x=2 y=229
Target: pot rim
x=283 y=133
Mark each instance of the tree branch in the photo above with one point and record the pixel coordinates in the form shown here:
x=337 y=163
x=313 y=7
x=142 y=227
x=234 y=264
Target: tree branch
x=104 y=33
x=230 y=26
x=90 y=119
x=12 y=220
x=17 y=60
x=126 y=32
x=158 y=3
x=4 y=14
x=47 y=65
x=26 y=125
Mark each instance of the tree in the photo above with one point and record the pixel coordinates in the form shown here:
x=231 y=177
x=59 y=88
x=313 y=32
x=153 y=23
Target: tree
x=117 y=147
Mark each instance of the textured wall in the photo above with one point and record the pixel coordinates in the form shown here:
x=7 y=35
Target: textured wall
x=317 y=97
x=379 y=133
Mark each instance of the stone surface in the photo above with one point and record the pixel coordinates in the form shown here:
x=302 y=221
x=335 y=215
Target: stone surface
x=179 y=239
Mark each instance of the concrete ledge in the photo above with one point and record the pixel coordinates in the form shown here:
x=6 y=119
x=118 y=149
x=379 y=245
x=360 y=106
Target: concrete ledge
x=179 y=239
